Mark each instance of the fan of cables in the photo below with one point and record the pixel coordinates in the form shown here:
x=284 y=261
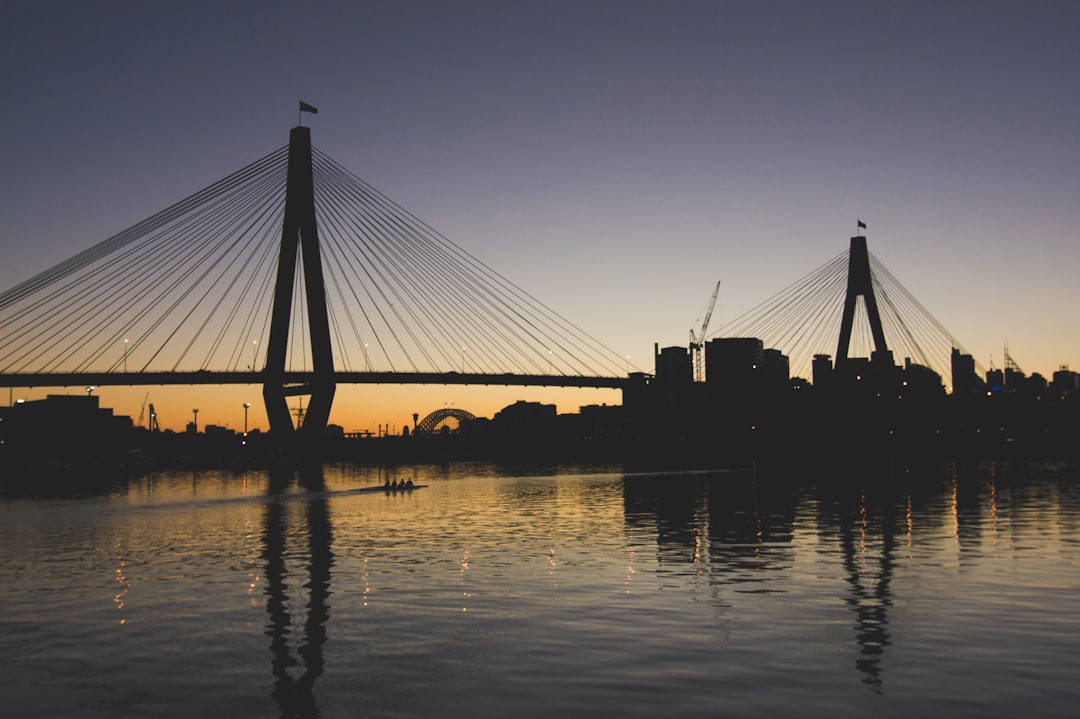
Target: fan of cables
x=804 y=320
x=191 y=288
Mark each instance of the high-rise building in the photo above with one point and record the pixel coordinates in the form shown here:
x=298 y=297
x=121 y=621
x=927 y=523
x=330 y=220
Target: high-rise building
x=822 y=371
x=776 y=369
x=734 y=363
x=674 y=365
x=964 y=379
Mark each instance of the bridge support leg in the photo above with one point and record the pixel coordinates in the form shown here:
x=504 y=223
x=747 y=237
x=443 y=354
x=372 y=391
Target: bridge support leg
x=299 y=236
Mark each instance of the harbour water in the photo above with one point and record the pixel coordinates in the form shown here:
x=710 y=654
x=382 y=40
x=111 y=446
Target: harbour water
x=572 y=591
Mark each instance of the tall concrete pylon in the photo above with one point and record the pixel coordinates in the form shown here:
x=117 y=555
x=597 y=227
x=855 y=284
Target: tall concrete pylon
x=299 y=236
x=860 y=284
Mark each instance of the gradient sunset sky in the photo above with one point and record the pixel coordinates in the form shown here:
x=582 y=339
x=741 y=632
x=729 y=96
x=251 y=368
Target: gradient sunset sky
x=614 y=159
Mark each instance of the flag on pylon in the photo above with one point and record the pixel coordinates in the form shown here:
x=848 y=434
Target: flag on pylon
x=304 y=107
x=859 y=223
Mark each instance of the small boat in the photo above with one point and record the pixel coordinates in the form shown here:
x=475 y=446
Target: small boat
x=389 y=489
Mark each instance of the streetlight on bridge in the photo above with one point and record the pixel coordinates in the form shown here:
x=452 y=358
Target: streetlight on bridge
x=247 y=405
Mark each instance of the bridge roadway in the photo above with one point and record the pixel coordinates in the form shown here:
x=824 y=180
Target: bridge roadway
x=105 y=379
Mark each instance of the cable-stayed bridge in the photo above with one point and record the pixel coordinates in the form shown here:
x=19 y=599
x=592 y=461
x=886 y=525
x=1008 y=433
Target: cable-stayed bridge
x=295 y=274
x=240 y=283
x=851 y=306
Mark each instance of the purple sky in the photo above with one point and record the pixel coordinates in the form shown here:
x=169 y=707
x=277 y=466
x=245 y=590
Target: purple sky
x=613 y=158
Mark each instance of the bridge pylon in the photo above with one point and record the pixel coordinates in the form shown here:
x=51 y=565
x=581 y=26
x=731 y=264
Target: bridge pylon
x=861 y=284
x=299 y=236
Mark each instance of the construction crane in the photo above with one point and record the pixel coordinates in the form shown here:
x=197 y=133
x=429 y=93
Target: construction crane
x=142 y=410
x=697 y=342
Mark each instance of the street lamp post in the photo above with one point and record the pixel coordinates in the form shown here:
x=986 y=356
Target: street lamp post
x=125 y=354
x=195 y=422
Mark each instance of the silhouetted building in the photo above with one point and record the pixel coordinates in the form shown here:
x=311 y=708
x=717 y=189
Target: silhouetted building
x=919 y=381
x=732 y=364
x=597 y=421
x=216 y=430
x=1065 y=383
x=525 y=417
x=775 y=370
x=62 y=428
x=1037 y=385
x=964 y=379
x=674 y=365
x=822 y=372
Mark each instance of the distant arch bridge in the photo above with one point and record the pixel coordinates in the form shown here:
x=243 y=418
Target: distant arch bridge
x=428 y=424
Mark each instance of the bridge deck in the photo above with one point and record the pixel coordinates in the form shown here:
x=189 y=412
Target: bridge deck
x=104 y=379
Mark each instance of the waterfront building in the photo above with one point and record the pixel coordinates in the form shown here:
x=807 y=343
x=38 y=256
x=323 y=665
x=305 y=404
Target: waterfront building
x=1065 y=383
x=732 y=364
x=673 y=365
x=822 y=371
x=964 y=379
x=62 y=427
x=775 y=369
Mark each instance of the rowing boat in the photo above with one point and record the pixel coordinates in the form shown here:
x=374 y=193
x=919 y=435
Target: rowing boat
x=388 y=490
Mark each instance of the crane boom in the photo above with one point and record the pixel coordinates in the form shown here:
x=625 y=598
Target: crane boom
x=708 y=313
x=142 y=411
x=697 y=341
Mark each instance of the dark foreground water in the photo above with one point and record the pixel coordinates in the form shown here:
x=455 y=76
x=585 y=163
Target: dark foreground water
x=949 y=592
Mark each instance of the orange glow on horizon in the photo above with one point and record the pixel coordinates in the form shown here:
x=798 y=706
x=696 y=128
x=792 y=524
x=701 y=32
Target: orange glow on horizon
x=373 y=408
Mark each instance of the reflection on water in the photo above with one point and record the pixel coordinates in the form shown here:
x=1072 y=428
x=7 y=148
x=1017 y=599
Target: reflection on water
x=296 y=669
x=749 y=532
x=740 y=531
x=868 y=560
x=557 y=592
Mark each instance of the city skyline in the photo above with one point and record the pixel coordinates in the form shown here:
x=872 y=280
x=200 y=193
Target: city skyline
x=613 y=159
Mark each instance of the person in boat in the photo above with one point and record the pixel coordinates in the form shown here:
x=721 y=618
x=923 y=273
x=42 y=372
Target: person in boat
x=394 y=484
x=386 y=484
x=409 y=483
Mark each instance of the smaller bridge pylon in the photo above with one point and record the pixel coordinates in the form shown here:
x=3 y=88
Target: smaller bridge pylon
x=860 y=284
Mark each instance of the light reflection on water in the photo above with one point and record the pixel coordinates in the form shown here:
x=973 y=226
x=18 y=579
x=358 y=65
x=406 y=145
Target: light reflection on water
x=571 y=592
